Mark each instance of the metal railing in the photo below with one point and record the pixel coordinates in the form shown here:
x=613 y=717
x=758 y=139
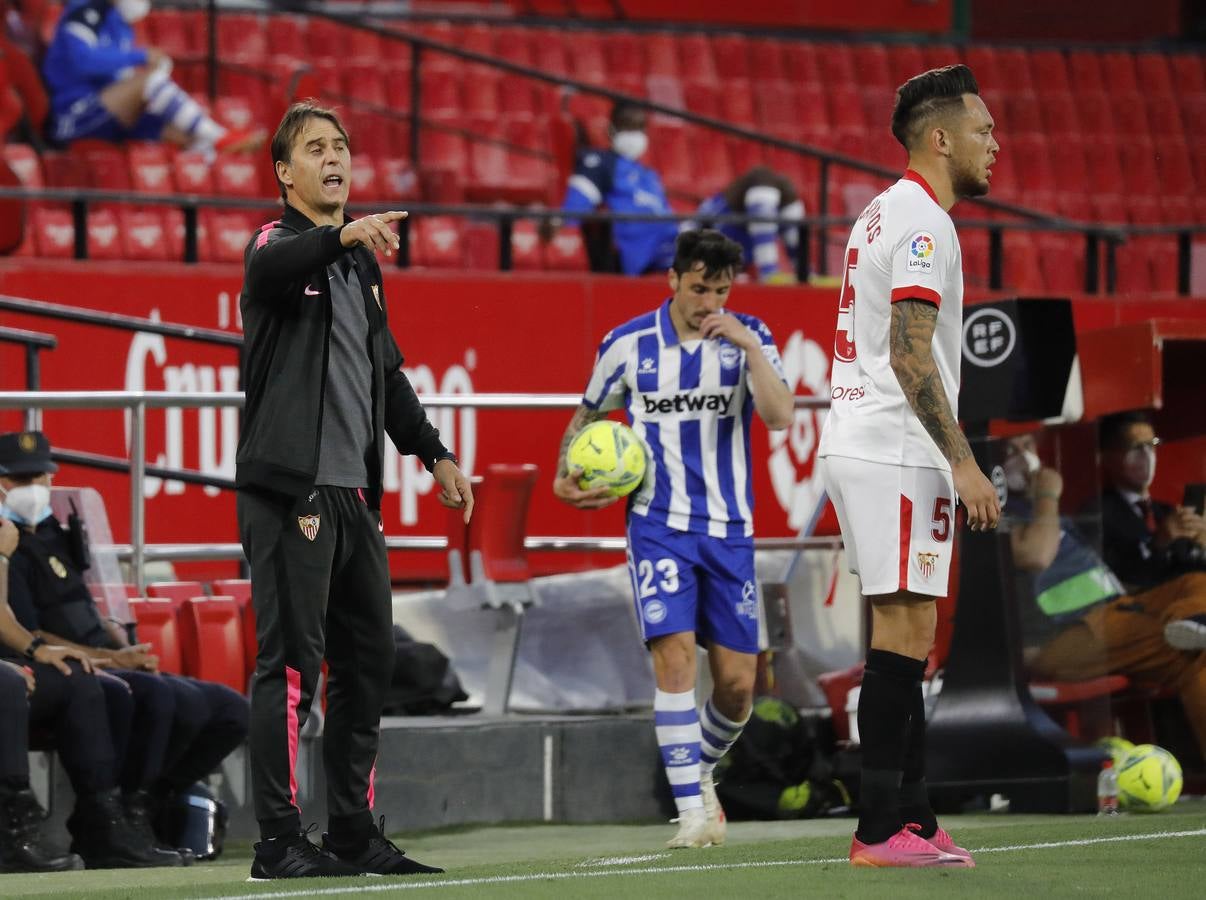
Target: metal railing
x=138 y=402
x=34 y=342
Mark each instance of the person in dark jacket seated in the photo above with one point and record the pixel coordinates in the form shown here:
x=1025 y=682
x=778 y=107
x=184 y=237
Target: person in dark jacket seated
x=185 y=727
x=1083 y=622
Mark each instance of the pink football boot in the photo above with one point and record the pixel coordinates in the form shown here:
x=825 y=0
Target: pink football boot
x=905 y=849
x=943 y=841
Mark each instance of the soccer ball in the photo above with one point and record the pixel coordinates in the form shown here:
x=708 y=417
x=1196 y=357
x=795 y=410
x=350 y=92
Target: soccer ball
x=1149 y=779
x=609 y=455
x=1117 y=747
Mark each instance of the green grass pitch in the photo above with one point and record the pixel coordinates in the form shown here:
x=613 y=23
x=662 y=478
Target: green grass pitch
x=1161 y=855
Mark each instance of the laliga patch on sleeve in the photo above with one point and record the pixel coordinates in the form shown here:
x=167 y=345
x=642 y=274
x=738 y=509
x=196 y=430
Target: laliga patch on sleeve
x=921 y=253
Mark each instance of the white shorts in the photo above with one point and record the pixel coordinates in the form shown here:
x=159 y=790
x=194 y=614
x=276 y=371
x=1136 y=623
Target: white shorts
x=898 y=524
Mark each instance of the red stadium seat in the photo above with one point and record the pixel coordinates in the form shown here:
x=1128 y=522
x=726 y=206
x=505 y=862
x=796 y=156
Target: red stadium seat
x=213 y=646
x=1063 y=262
x=517 y=98
x=104 y=235
x=737 y=103
x=365 y=184
x=1023 y=113
x=1193 y=113
x=25 y=163
x=1104 y=169
x=526 y=252
x=436 y=243
x=703 y=100
x=1188 y=72
x=144 y=235
x=837 y=64
x=1153 y=75
x=173 y=220
x=1130 y=115
x=1164 y=117
x=1049 y=72
x=566 y=252
x=778 y=111
x=497 y=537
x=480 y=97
x=156 y=624
x=625 y=55
x=800 y=62
x=713 y=167
x=1060 y=114
x=176 y=591
x=237 y=175
x=905 y=61
x=1096 y=110
x=150 y=167
x=1016 y=63
x=193 y=174
x=287 y=37
x=1021 y=268
x=586 y=57
x=871 y=62
x=515 y=45
x=398 y=179
x=985 y=63
x=177 y=33
x=696 y=60
x=1118 y=71
x=766 y=60
x=239 y=590
x=441 y=96
x=661 y=55
x=53 y=233
x=229 y=233
x=1085 y=68
x=1139 y=174
x=1176 y=171
x=549 y=51
x=731 y=54
x=243 y=37
x=480 y=242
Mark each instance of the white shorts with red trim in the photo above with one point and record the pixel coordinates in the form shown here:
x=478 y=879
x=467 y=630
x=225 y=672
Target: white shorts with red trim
x=898 y=524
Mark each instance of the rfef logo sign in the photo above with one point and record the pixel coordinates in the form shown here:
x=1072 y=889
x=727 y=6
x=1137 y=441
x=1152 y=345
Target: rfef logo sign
x=988 y=337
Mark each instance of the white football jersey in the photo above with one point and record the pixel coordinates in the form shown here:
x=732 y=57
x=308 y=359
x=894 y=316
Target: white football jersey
x=902 y=247
x=691 y=405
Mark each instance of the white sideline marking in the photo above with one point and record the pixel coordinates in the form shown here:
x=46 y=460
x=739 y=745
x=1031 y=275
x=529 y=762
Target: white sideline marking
x=622 y=860
x=703 y=867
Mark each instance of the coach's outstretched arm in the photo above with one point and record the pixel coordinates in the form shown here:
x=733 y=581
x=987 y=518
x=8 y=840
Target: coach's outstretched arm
x=272 y=263
x=565 y=485
x=911 y=359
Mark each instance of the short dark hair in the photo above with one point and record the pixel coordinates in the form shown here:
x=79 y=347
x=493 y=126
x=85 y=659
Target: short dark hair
x=623 y=108
x=1111 y=428
x=925 y=96
x=718 y=253
x=291 y=125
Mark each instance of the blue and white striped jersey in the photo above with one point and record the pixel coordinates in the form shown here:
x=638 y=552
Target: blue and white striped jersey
x=691 y=405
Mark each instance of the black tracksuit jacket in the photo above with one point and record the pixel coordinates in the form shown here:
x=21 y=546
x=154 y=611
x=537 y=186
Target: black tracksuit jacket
x=286 y=307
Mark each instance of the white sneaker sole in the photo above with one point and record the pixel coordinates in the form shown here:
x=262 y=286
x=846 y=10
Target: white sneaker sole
x=1185 y=634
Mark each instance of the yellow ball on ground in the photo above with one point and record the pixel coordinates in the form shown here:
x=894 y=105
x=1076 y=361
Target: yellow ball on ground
x=610 y=455
x=1149 y=779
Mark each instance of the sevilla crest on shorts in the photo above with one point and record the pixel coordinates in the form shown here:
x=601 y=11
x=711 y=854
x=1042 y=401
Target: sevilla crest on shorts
x=925 y=562
x=309 y=526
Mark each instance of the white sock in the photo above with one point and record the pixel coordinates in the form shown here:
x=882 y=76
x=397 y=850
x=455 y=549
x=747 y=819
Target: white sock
x=719 y=734
x=166 y=98
x=677 y=724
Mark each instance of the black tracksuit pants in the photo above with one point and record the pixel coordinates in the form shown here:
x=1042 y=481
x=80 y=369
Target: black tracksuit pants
x=73 y=707
x=320 y=587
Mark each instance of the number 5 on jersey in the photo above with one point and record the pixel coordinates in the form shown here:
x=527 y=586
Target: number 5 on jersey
x=843 y=338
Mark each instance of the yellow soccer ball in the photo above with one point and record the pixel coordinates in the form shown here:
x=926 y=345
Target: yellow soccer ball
x=1149 y=779
x=610 y=455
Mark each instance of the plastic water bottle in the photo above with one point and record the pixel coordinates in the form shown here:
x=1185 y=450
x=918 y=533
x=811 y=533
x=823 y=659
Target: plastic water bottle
x=1107 y=790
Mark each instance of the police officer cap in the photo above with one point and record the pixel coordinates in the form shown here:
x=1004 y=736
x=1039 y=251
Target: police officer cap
x=25 y=453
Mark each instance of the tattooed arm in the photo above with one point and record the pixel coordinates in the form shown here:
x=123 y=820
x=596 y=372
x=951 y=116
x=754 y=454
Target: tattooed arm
x=910 y=338
x=565 y=485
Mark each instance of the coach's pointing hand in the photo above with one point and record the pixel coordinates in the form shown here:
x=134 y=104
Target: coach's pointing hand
x=455 y=490
x=372 y=232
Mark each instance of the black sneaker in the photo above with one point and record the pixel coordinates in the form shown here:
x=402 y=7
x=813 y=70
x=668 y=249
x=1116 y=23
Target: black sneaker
x=22 y=848
x=379 y=857
x=294 y=856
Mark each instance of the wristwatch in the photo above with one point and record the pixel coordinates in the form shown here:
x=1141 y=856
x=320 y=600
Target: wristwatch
x=447 y=454
x=32 y=649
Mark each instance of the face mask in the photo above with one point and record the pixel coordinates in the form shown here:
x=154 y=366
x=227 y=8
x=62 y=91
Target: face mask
x=132 y=10
x=1019 y=468
x=630 y=144
x=30 y=501
x=1141 y=466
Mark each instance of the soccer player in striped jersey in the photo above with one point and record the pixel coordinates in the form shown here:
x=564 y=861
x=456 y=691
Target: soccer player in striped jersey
x=690 y=375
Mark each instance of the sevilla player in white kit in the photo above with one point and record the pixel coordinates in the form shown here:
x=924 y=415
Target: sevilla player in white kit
x=895 y=462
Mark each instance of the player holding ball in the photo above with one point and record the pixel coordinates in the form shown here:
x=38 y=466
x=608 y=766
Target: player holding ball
x=690 y=375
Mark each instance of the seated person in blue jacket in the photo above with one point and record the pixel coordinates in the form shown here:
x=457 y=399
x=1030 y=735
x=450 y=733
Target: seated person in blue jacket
x=759 y=192
x=183 y=727
x=615 y=179
x=102 y=85
x=1086 y=622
